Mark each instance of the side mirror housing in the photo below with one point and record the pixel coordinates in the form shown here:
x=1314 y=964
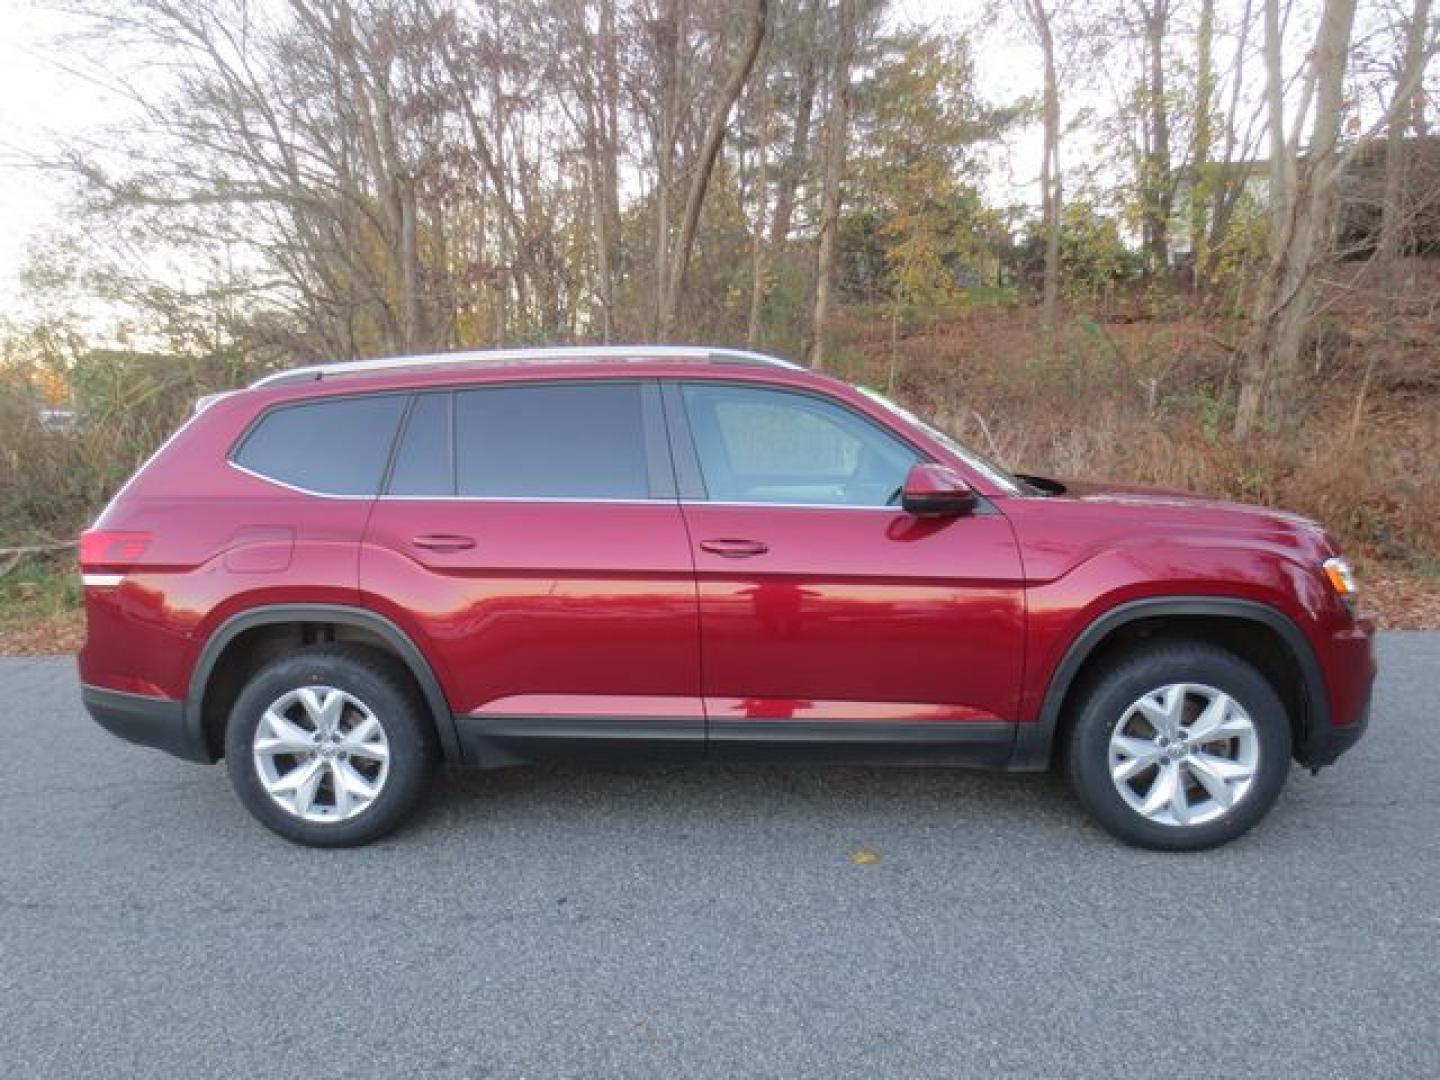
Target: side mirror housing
x=936 y=491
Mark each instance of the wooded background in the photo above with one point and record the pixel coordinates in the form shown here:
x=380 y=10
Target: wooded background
x=1214 y=273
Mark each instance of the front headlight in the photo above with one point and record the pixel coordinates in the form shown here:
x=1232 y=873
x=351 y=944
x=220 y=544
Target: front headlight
x=1341 y=576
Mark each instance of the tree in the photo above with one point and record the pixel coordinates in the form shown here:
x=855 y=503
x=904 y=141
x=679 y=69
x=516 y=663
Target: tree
x=837 y=134
x=1039 y=23
x=1201 y=144
x=1302 y=190
x=672 y=273
x=806 y=36
x=915 y=173
x=1407 y=113
x=1157 y=185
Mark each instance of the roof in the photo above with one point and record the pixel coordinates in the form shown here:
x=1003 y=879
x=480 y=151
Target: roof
x=574 y=354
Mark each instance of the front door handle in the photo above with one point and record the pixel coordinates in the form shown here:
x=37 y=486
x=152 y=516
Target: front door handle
x=444 y=542
x=734 y=549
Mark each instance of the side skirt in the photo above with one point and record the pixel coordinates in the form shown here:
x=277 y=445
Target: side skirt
x=494 y=742
x=491 y=742
x=863 y=742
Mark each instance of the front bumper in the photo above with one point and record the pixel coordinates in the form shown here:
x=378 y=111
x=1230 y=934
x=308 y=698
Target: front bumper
x=148 y=721
x=1350 y=667
x=1327 y=745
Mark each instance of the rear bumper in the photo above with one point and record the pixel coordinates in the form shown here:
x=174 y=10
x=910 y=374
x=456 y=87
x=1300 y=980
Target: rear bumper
x=148 y=721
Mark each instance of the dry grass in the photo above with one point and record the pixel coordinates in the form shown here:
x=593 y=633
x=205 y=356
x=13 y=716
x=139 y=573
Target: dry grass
x=1150 y=403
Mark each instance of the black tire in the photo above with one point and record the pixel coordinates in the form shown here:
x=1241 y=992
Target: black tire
x=1102 y=705
x=384 y=687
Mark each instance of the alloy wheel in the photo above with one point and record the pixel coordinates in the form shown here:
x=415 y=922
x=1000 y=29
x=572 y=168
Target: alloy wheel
x=321 y=754
x=1184 y=754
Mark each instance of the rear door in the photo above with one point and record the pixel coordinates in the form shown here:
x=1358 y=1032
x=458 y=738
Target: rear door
x=832 y=622
x=529 y=537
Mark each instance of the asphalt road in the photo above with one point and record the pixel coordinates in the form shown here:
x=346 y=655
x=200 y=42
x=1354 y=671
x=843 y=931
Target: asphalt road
x=711 y=922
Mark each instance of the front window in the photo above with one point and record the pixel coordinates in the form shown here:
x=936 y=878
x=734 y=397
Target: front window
x=762 y=445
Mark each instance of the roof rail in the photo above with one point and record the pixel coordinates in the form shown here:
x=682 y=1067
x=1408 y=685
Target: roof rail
x=559 y=354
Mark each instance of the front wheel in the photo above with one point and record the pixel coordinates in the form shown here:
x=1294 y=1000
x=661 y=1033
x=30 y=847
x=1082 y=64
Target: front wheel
x=329 y=746
x=1179 y=747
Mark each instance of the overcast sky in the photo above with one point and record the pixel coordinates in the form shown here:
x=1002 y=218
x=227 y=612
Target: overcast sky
x=42 y=104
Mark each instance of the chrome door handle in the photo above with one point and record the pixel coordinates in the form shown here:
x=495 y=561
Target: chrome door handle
x=444 y=542
x=734 y=549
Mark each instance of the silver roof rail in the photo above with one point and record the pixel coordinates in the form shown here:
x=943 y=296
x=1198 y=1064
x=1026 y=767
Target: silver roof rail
x=559 y=354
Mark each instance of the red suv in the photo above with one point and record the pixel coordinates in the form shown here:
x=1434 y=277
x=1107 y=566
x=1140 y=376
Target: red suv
x=346 y=573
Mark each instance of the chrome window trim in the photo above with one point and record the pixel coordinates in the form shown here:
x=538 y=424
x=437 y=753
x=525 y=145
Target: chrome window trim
x=296 y=487
x=790 y=506
x=521 y=499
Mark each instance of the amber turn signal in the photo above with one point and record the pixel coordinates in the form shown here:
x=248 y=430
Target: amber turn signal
x=1341 y=576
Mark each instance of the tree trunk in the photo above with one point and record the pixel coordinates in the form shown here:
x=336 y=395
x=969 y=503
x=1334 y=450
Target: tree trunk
x=757 y=253
x=1200 y=182
x=837 y=133
x=705 y=166
x=1395 y=210
x=607 y=218
x=670 y=30
x=794 y=166
x=1302 y=219
x=1226 y=187
x=1156 y=17
x=1051 y=193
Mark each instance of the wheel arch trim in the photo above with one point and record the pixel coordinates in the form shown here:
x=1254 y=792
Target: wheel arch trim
x=341 y=614
x=1034 y=742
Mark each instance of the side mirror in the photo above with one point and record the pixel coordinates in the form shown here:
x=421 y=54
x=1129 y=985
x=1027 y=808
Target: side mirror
x=936 y=491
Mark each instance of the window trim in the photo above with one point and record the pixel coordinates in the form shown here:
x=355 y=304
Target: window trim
x=689 y=475
x=320 y=399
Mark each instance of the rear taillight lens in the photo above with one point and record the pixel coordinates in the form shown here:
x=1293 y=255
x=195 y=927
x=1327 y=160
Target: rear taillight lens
x=108 y=550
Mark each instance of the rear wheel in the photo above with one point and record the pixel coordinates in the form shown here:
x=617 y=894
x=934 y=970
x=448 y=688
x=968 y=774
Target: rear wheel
x=1179 y=747
x=329 y=746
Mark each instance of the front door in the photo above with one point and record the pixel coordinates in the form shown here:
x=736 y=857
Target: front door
x=831 y=621
x=529 y=536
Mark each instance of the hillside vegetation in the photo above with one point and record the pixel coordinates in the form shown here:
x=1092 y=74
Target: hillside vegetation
x=1180 y=242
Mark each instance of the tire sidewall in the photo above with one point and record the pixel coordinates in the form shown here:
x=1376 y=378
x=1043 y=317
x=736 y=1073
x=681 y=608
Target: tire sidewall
x=365 y=675
x=1105 y=706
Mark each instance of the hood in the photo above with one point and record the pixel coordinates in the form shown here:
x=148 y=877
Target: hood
x=1202 y=512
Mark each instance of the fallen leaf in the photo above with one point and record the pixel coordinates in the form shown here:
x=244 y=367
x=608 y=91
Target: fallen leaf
x=864 y=857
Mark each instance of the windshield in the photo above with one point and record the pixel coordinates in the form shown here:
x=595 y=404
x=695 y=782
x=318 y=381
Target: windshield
x=1007 y=483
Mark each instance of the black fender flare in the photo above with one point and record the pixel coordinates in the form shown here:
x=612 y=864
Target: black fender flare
x=1034 y=742
x=341 y=614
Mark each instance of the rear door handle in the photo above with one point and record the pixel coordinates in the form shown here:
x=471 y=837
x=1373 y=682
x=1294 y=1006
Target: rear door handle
x=444 y=542
x=734 y=549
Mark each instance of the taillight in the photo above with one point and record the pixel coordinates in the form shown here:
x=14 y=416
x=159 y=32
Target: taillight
x=108 y=550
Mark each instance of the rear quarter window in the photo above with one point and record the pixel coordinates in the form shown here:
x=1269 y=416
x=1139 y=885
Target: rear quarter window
x=334 y=447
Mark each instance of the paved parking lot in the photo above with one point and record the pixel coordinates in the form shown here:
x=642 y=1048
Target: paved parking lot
x=711 y=922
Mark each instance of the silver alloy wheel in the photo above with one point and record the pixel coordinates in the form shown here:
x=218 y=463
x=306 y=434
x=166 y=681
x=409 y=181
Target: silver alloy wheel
x=321 y=754
x=1184 y=754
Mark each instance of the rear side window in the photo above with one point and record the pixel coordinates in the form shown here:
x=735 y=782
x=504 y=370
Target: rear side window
x=333 y=447
x=555 y=442
x=425 y=461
